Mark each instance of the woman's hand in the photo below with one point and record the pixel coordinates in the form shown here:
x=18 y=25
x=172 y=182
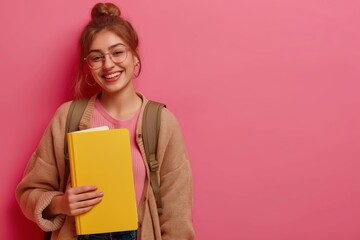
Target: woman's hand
x=75 y=201
x=79 y=200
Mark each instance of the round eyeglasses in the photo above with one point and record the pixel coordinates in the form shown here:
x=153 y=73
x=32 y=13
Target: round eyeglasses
x=96 y=58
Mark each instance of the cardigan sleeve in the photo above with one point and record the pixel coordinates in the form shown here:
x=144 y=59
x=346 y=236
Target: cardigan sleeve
x=175 y=183
x=42 y=178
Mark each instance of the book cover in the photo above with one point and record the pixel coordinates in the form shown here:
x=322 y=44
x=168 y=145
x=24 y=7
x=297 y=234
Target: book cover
x=103 y=158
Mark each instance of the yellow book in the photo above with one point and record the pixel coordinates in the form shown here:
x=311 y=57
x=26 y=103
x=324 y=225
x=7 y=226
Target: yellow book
x=103 y=158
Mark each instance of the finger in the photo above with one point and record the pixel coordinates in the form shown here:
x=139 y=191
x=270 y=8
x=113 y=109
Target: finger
x=85 y=204
x=88 y=196
x=80 y=211
x=83 y=189
x=88 y=203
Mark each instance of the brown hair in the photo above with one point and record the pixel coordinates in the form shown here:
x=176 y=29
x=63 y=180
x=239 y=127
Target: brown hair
x=104 y=16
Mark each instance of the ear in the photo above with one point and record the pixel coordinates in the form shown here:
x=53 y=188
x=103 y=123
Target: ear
x=136 y=60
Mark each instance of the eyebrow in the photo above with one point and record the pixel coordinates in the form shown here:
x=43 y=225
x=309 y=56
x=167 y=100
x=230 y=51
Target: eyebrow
x=111 y=47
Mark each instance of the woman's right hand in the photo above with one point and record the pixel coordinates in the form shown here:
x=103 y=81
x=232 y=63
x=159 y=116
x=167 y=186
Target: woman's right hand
x=75 y=201
x=79 y=200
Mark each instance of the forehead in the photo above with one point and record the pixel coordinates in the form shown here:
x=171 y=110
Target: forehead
x=104 y=39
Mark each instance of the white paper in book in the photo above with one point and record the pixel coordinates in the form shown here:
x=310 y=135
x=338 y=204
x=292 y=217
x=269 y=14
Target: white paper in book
x=101 y=128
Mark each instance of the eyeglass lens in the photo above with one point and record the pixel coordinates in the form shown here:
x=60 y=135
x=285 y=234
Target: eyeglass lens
x=117 y=55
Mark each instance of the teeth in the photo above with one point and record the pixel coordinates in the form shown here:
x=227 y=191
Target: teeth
x=112 y=75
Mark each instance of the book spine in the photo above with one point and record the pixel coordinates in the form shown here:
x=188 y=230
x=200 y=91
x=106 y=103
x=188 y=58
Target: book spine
x=73 y=175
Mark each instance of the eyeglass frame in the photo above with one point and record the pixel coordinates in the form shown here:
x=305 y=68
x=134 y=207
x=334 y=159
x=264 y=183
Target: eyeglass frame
x=106 y=53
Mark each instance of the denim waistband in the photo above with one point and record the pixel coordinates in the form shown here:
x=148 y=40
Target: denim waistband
x=126 y=235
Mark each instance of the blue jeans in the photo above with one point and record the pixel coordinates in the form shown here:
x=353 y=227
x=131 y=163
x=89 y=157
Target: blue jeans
x=129 y=235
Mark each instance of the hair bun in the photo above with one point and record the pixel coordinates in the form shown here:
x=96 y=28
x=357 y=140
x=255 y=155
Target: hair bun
x=101 y=10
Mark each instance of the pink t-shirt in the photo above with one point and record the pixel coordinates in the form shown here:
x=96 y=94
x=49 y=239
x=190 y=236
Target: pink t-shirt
x=99 y=118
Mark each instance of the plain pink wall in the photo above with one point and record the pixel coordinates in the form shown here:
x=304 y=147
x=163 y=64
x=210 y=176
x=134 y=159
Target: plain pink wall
x=267 y=94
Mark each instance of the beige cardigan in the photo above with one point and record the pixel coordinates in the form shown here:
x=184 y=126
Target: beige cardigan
x=44 y=177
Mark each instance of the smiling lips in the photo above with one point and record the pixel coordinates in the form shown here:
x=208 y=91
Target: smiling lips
x=112 y=77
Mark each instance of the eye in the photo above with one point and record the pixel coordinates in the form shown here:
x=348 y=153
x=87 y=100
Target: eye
x=96 y=58
x=118 y=52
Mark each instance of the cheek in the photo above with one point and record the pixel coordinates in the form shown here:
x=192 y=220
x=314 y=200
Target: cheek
x=129 y=67
x=130 y=70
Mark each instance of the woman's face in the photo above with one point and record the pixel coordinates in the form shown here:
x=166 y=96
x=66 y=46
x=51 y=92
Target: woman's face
x=114 y=72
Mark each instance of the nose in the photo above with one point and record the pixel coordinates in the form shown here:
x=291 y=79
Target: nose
x=108 y=62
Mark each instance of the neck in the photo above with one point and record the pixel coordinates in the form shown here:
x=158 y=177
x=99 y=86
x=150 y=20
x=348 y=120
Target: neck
x=122 y=105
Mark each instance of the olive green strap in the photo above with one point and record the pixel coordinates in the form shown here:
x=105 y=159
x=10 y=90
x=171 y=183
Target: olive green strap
x=73 y=118
x=150 y=134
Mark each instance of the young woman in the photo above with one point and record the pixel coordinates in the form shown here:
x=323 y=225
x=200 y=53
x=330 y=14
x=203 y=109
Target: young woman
x=109 y=61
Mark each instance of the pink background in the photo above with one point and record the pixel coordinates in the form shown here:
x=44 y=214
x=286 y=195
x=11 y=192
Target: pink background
x=267 y=94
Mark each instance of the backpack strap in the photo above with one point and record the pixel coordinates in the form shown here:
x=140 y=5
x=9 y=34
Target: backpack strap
x=150 y=133
x=73 y=118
